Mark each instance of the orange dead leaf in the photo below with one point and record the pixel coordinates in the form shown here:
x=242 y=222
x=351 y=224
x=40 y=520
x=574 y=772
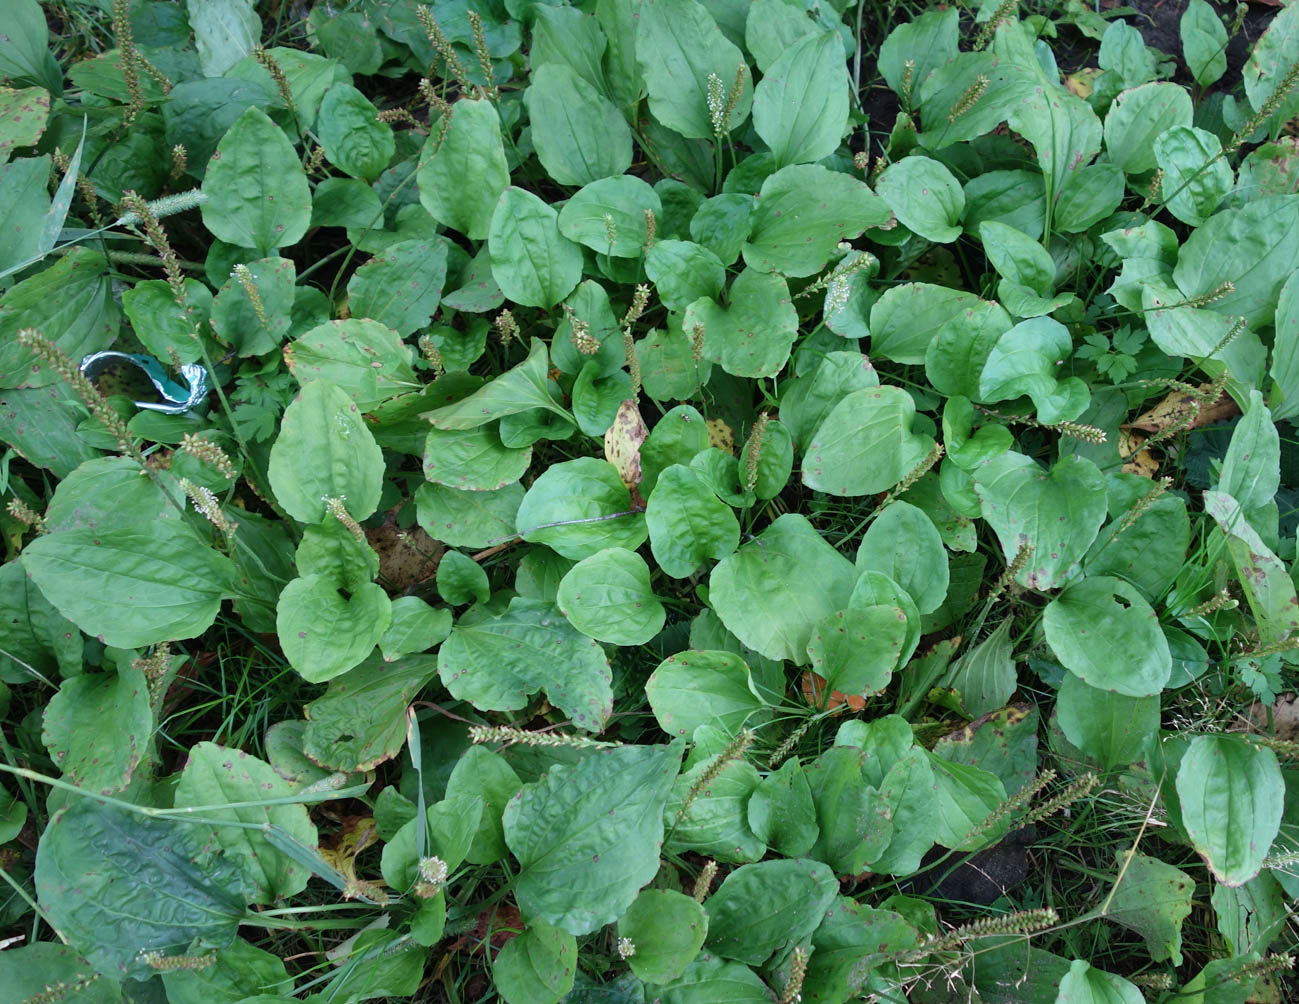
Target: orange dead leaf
x=1178 y=409
x=1137 y=459
x=814 y=687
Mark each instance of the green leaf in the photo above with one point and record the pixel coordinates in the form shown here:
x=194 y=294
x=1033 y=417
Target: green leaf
x=538 y=966
x=1232 y=794
x=28 y=970
x=794 y=893
x=1103 y=630
x=71 y=303
x=667 y=929
x=618 y=203
x=1063 y=129
x=23 y=205
x=1251 y=470
x=235 y=318
x=800 y=107
x=1204 y=42
x=33 y=634
x=608 y=597
x=774 y=590
x=416 y=627
x=712 y=820
x=1086 y=985
x=1268 y=589
x=1124 y=51
x=848 y=945
x=1089 y=196
x=967 y=795
x=325 y=450
x=774 y=463
x=24 y=53
x=462 y=179
x=721 y=224
x=236 y=972
x=330 y=550
x=1017 y=257
x=450 y=828
x=678 y=44
x=683 y=272
x=576 y=490
x=985 y=676
x=856 y=650
x=567 y=36
x=908 y=795
x=401 y=286
x=1268 y=66
x=803 y=212
x=355 y=139
x=360 y=720
x=468 y=519
x=98 y=727
x=678 y=437
x=688 y=523
x=225 y=31
x=1058 y=513
x=1138 y=117
x=807 y=400
x=696 y=688
x=781 y=812
x=216 y=776
x=257 y=192
x=1196 y=177
x=587 y=835
x=1004 y=744
x=345 y=202
x=460 y=579
x=1108 y=726
x=866 y=444
x=497 y=664
x=473 y=459
x=1024 y=361
x=928 y=41
x=1264 y=238
x=1152 y=898
x=522 y=388
x=533 y=263
x=132 y=586
x=925 y=198
x=904 y=544
x=709 y=979
x=579 y=135
x=160 y=324
x=1150 y=551
x=364 y=358
x=752 y=335
x=324 y=634
x=852 y=830
x=489 y=776
x=1285 y=353
x=118 y=885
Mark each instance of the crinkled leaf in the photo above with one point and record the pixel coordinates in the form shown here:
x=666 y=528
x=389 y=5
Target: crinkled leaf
x=587 y=835
x=497 y=664
x=118 y=885
x=132 y=586
x=360 y=720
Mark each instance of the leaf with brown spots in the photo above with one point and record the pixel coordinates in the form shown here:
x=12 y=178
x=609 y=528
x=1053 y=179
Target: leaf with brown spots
x=622 y=442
